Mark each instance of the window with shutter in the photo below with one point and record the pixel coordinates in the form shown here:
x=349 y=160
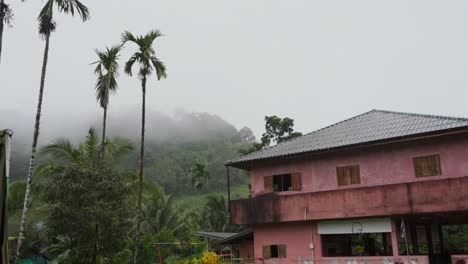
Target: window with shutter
x=282 y=183
x=266 y=252
x=268 y=184
x=296 y=182
x=281 y=251
x=274 y=251
x=427 y=166
x=348 y=175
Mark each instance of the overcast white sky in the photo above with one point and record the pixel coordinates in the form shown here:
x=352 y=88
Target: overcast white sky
x=315 y=61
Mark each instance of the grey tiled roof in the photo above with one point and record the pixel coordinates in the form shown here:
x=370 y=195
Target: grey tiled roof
x=375 y=125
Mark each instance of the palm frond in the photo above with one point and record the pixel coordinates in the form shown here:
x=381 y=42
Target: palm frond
x=118 y=148
x=151 y=36
x=128 y=36
x=46 y=23
x=61 y=150
x=91 y=144
x=160 y=68
x=6 y=14
x=72 y=6
x=129 y=64
x=107 y=70
x=102 y=93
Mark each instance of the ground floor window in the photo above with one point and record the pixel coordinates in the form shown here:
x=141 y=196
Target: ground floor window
x=274 y=251
x=347 y=245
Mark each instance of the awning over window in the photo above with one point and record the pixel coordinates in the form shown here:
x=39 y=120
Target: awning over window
x=356 y=226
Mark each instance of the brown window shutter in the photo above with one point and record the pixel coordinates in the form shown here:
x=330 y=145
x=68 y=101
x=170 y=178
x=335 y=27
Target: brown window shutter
x=266 y=252
x=296 y=182
x=427 y=166
x=282 y=251
x=355 y=174
x=268 y=183
x=418 y=167
x=340 y=176
x=348 y=175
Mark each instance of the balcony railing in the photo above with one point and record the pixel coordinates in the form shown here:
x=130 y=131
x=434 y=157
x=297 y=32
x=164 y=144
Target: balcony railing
x=438 y=195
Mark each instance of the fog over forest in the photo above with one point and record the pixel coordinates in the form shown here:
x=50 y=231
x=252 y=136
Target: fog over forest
x=179 y=126
x=166 y=135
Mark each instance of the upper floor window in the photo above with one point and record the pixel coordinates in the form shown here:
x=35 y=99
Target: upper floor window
x=274 y=251
x=283 y=182
x=348 y=175
x=427 y=166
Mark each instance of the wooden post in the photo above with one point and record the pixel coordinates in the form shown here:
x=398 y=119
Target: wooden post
x=228 y=189
x=160 y=256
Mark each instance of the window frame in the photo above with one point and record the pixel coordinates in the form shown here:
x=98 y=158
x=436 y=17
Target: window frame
x=281 y=177
x=422 y=166
x=295 y=182
x=348 y=175
x=280 y=251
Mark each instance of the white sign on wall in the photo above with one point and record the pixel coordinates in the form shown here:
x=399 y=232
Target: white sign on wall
x=357 y=226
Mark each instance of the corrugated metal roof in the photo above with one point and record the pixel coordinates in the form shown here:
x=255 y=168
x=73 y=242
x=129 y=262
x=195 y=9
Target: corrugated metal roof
x=375 y=125
x=239 y=236
x=215 y=235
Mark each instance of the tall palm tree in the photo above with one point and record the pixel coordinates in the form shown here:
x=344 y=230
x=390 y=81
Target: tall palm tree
x=148 y=62
x=107 y=70
x=47 y=25
x=5 y=17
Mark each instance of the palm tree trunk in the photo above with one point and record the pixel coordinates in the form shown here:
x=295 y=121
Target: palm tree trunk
x=2 y=21
x=142 y=158
x=27 y=195
x=103 y=140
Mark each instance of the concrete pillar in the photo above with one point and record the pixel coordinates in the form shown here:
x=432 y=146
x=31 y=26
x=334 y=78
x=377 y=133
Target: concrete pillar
x=317 y=244
x=395 y=238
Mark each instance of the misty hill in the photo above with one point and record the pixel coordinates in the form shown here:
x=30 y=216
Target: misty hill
x=174 y=142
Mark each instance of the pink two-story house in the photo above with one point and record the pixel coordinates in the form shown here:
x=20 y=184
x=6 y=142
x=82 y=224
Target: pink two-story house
x=380 y=187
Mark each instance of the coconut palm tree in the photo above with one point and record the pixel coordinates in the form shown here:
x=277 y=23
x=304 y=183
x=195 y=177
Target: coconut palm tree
x=148 y=63
x=107 y=70
x=159 y=214
x=47 y=25
x=199 y=175
x=5 y=17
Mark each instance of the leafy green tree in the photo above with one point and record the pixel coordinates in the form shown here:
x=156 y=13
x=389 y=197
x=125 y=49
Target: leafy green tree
x=6 y=15
x=16 y=192
x=107 y=71
x=88 y=204
x=215 y=214
x=148 y=63
x=63 y=249
x=62 y=155
x=47 y=25
x=199 y=175
x=277 y=130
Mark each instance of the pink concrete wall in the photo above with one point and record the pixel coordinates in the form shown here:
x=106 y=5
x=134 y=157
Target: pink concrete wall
x=296 y=236
x=459 y=259
x=441 y=195
x=299 y=235
x=387 y=164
